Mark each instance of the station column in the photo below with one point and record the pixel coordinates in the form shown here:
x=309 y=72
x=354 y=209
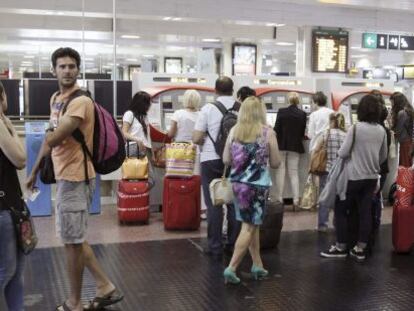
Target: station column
x=303 y=52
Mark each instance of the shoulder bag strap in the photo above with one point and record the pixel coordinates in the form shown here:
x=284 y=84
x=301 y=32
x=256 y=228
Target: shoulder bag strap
x=223 y=111
x=77 y=133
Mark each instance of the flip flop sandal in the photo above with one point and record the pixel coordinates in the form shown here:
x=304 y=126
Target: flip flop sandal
x=63 y=307
x=98 y=303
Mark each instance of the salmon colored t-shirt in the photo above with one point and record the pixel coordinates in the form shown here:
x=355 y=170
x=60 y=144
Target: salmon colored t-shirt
x=68 y=158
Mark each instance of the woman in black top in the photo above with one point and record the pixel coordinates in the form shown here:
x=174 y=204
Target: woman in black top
x=12 y=156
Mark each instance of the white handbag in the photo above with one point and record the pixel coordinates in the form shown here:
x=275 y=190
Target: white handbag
x=221 y=191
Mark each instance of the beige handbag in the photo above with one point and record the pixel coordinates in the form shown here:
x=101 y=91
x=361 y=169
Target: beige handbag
x=310 y=195
x=221 y=191
x=319 y=158
x=134 y=168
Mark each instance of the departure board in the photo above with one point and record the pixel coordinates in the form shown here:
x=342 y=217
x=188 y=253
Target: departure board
x=329 y=51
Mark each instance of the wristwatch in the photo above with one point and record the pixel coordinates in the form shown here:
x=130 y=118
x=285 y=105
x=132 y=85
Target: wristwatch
x=50 y=129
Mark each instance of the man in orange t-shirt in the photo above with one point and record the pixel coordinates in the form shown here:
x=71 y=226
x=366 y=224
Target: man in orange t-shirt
x=73 y=193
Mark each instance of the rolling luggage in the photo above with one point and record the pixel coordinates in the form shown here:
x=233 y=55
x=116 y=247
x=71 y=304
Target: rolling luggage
x=272 y=225
x=403 y=211
x=133 y=201
x=181 y=203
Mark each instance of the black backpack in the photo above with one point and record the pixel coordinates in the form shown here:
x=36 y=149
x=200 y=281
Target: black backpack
x=227 y=122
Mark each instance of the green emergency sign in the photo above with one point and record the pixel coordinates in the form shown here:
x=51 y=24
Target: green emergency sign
x=369 y=40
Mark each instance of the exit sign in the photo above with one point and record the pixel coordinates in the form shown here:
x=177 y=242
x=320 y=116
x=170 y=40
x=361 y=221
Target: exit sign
x=387 y=41
x=369 y=40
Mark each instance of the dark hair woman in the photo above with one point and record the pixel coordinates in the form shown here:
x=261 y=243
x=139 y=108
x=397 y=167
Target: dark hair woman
x=12 y=157
x=363 y=150
x=135 y=123
x=402 y=116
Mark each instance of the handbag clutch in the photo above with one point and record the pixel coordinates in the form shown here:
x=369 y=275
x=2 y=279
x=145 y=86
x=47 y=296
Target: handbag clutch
x=221 y=190
x=135 y=168
x=25 y=230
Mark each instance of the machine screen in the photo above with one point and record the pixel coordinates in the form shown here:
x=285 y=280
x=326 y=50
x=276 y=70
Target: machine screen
x=280 y=99
x=271 y=118
x=354 y=118
x=305 y=100
x=167 y=120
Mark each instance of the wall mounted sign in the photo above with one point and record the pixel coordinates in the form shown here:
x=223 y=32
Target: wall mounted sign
x=244 y=59
x=329 y=51
x=387 y=41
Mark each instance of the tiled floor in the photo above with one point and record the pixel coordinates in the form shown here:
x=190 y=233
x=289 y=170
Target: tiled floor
x=174 y=275
x=104 y=228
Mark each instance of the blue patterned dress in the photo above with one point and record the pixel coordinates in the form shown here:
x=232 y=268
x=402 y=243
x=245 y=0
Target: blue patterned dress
x=250 y=178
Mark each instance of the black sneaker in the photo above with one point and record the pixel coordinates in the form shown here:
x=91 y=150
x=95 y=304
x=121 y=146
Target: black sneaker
x=358 y=253
x=334 y=252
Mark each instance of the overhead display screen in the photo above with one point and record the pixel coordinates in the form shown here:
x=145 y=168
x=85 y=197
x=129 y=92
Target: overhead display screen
x=329 y=51
x=244 y=59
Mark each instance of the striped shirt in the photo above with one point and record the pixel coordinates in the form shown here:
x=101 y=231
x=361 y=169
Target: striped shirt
x=335 y=139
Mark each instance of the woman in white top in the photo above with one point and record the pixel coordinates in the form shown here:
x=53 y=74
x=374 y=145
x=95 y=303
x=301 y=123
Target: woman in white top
x=135 y=124
x=182 y=127
x=183 y=120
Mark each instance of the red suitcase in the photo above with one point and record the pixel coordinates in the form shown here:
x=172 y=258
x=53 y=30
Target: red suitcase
x=133 y=201
x=403 y=211
x=181 y=203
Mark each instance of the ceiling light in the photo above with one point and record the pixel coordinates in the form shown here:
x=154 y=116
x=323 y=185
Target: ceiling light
x=284 y=43
x=131 y=60
x=148 y=55
x=49 y=12
x=358 y=56
x=275 y=25
x=211 y=40
x=176 y=19
x=60 y=13
x=167 y=18
x=89 y=59
x=28 y=56
x=130 y=37
x=355 y=47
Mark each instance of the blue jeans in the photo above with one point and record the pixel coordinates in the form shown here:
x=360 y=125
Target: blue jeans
x=323 y=211
x=210 y=170
x=11 y=266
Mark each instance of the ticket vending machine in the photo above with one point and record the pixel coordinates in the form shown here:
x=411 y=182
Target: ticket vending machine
x=167 y=92
x=344 y=96
x=273 y=91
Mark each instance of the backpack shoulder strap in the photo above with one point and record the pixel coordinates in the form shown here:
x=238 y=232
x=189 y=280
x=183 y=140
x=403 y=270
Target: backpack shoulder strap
x=77 y=133
x=72 y=96
x=220 y=107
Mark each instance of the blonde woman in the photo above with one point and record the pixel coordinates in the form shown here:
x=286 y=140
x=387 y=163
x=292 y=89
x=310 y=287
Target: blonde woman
x=334 y=138
x=183 y=120
x=182 y=127
x=250 y=147
x=290 y=128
